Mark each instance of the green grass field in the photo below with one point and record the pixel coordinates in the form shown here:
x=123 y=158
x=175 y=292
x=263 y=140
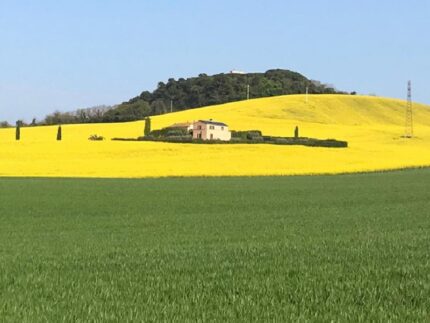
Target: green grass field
x=342 y=248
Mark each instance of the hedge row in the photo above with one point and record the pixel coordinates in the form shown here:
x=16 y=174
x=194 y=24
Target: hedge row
x=310 y=142
x=168 y=132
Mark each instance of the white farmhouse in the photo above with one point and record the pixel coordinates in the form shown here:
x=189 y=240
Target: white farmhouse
x=211 y=130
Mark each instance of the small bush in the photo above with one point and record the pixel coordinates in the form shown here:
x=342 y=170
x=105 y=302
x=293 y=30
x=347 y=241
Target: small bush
x=247 y=134
x=155 y=134
x=176 y=132
x=253 y=134
x=296 y=132
x=96 y=138
x=236 y=140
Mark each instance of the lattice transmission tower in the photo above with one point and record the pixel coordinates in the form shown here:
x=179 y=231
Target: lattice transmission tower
x=409 y=122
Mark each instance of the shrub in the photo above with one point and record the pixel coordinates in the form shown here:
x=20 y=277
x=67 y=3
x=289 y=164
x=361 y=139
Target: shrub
x=296 y=132
x=155 y=133
x=333 y=143
x=252 y=134
x=59 y=134
x=168 y=132
x=176 y=132
x=236 y=140
x=238 y=135
x=96 y=138
x=247 y=134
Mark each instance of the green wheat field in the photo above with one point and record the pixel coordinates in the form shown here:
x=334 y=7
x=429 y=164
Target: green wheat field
x=319 y=248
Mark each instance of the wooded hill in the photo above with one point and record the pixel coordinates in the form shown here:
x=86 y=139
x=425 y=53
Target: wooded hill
x=204 y=90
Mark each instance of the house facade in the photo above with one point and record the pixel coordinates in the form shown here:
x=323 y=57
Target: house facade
x=211 y=130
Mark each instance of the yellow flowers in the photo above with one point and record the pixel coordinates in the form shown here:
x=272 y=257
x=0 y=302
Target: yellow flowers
x=372 y=126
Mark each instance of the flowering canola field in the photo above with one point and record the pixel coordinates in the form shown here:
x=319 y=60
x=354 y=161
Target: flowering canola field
x=372 y=126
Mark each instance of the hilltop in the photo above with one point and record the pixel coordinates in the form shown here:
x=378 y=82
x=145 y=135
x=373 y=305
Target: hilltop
x=206 y=90
x=194 y=92
x=372 y=126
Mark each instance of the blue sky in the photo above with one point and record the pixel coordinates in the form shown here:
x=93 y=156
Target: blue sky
x=62 y=55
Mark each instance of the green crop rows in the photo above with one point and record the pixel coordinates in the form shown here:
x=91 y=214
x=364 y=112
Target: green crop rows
x=341 y=248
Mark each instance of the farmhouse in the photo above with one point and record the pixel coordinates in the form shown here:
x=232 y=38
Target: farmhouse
x=211 y=130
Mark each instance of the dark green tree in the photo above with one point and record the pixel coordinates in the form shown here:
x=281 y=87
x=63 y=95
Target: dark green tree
x=296 y=132
x=147 y=130
x=59 y=134
x=18 y=130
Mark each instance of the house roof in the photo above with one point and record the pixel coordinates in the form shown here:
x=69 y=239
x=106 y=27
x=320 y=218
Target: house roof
x=213 y=122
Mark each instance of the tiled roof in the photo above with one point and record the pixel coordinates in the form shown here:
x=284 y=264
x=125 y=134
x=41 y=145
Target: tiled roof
x=213 y=122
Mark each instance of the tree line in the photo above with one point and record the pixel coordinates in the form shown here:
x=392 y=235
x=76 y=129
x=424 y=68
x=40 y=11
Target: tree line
x=183 y=94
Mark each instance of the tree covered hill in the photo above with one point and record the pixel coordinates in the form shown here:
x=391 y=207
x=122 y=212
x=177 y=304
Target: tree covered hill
x=207 y=90
x=204 y=90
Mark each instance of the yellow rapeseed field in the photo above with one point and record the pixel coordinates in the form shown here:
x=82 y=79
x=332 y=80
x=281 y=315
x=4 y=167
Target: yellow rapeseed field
x=372 y=126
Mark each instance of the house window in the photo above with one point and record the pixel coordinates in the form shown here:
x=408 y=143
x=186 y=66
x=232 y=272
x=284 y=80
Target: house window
x=222 y=128
x=211 y=127
x=212 y=136
x=199 y=135
x=199 y=127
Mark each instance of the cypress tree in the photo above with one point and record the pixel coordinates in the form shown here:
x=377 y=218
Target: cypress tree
x=296 y=132
x=147 y=130
x=18 y=131
x=59 y=134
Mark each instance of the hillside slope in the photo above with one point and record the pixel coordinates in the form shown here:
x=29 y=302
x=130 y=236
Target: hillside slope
x=372 y=126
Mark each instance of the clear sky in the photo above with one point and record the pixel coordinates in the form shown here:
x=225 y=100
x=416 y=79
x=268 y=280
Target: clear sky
x=63 y=55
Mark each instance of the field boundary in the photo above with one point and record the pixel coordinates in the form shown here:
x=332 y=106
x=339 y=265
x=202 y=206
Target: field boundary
x=381 y=171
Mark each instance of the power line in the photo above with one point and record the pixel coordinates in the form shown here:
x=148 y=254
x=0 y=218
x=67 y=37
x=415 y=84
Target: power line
x=409 y=122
